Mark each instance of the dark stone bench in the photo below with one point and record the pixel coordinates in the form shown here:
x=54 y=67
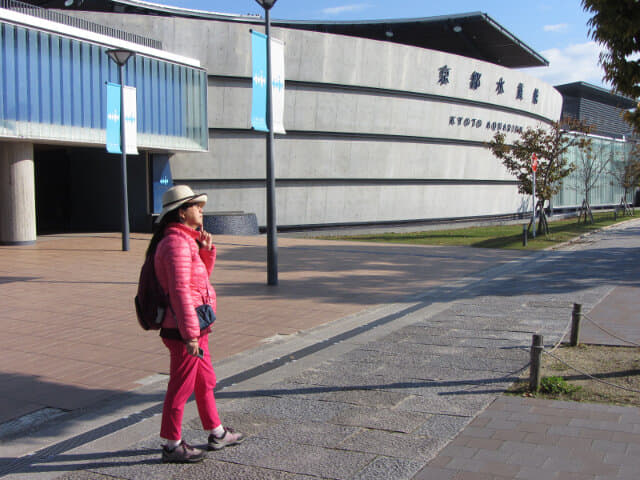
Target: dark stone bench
x=231 y=223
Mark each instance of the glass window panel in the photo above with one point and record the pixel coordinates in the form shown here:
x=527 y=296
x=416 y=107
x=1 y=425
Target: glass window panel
x=22 y=110
x=154 y=95
x=148 y=126
x=171 y=118
x=44 y=79
x=204 y=121
x=33 y=85
x=3 y=73
x=66 y=80
x=606 y=190
x=84 y=85
x=76 y=89
x=56 y=79
x=62 y=82
x=162 y=95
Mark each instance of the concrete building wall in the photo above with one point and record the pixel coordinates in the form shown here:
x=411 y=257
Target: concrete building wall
x=373 y=134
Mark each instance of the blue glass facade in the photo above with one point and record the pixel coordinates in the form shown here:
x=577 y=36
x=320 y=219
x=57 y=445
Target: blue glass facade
x=54 y=88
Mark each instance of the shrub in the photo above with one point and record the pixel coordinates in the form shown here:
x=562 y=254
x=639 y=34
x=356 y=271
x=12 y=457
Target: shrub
x=557 y=386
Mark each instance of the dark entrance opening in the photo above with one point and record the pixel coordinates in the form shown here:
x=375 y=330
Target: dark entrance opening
x=78 y=190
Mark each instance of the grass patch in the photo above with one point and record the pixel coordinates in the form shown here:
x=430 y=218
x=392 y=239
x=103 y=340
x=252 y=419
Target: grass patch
x=498 y=236
x=615 y=365
x=555 y=385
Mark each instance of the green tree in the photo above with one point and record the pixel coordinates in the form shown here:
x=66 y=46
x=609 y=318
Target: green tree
x=550 y=145
x=615 y=25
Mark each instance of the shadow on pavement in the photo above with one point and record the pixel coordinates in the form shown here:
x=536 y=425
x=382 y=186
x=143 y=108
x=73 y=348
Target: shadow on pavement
x=89 y=461
x=280 y=392
x=399 y=271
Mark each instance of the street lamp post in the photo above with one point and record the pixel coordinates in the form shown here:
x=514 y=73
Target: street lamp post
x=272 y=247
x=121 y=57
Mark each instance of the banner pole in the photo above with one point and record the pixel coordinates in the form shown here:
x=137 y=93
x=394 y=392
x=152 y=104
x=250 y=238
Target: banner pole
x=534 y=205
x=272 y=241
x=120 y=57
x=123 y=166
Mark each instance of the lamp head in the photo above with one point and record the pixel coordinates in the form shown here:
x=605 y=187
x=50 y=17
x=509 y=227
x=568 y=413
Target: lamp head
x=120 y=56
x=266 y=4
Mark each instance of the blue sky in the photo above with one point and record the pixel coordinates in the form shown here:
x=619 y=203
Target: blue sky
x=557 y=29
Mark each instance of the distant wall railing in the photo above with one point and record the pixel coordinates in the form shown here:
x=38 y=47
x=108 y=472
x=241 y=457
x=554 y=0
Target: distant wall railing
x=58 y=17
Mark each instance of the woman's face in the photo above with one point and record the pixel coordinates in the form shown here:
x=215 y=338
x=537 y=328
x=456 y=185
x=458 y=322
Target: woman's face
x=192 y=215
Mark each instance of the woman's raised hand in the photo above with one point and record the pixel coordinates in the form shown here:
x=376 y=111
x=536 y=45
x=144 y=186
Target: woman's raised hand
x=206 y=240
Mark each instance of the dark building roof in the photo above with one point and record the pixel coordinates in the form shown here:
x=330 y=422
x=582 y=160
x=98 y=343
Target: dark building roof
x=593 y=92
x=598 y=107
x=474 y=35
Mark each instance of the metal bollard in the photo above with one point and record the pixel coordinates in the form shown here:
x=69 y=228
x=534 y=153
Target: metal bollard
x=576 y=317
x=524 y=235
x=537 y=345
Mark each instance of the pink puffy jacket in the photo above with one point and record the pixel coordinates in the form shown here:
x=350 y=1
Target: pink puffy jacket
x=183 y=269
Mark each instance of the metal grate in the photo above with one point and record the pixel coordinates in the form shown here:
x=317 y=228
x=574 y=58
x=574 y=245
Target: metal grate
x=64 y=19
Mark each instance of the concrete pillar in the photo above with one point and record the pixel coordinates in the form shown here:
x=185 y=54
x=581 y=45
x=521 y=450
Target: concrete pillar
x=17 y=194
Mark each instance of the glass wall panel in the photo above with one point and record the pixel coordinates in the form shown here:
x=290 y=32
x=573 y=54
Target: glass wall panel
x=595 y=174
x=54 y=88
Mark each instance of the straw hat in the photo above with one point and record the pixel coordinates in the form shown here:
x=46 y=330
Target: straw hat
x=177 y=196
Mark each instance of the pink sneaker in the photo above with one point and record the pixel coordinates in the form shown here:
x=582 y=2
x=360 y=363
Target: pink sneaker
x=229 y=438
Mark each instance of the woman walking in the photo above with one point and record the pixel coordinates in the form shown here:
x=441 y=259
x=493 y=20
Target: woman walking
x=184 y=259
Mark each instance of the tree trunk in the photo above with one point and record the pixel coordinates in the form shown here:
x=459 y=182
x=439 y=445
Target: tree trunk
x=585 y=210
x=543 y=224
x=541 y=216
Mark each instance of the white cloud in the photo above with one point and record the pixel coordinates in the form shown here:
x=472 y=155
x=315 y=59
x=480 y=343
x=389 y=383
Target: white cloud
x=560 y=27
x=574 y=63
x=354 y=7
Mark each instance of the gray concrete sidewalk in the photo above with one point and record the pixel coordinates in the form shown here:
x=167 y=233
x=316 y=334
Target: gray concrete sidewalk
x=380 y=393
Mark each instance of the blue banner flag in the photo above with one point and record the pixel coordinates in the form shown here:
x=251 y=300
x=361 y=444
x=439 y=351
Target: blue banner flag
x=161 y=178
x=113 y=118
x=259 y=103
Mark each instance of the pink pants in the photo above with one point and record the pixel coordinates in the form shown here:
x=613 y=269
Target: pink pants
x=186 y=375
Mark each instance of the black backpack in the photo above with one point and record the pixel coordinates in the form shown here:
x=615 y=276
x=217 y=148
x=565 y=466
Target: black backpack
x=151 y=301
